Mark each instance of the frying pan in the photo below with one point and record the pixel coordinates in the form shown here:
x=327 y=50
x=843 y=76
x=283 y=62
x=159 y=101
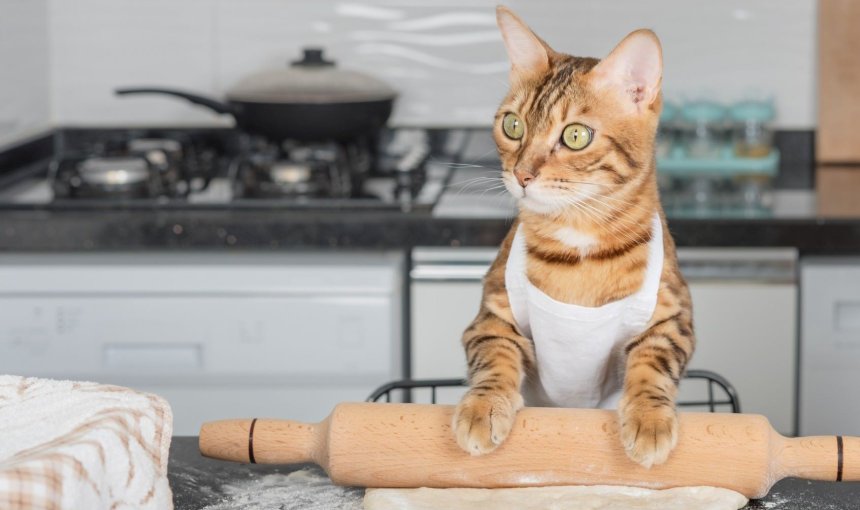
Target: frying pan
x=312 y=100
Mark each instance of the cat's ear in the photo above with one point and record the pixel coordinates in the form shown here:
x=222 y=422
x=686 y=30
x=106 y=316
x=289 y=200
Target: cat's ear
x=527 y=52
x=634 y=70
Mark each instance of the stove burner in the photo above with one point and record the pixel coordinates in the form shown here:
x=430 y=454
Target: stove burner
x=133 y=168
x=104 y=177
x=113 y=172
x=294 y=171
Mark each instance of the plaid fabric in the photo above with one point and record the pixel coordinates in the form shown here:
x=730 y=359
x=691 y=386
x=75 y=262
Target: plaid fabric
x=75 y=445
x=34 y=487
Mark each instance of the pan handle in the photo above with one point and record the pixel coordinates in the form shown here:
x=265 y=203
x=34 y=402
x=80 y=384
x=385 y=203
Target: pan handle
x=212 y=104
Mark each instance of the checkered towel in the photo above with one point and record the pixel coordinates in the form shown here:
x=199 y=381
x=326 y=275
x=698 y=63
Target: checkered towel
x=78 y=445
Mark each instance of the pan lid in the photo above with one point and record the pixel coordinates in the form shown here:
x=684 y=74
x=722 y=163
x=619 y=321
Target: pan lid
x=313 y=79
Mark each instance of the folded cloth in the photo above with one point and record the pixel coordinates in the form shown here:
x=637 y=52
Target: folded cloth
x=81 y=445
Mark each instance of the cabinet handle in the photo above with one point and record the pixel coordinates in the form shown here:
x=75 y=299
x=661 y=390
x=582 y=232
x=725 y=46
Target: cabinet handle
x=449 y=272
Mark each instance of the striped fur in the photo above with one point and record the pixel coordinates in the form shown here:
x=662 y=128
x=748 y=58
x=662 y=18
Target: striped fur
x=607 y=192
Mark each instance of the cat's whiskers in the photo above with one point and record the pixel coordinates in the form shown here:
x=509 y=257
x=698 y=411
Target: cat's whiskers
x=493 y=188
x=591 y=215
x=584 y=197
x=617 y=229
x=472 y=181
x=598 y=197
x=463 y=186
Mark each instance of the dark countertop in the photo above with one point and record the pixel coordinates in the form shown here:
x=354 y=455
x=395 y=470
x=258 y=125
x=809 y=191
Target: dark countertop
x=27 y=230
x=198 y=482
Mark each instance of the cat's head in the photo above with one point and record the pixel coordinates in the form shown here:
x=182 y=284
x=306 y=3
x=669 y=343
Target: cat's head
x=575 y=129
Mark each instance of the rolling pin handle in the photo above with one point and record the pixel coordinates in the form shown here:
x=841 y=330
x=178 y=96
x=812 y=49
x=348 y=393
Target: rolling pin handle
x=827 y=458
x=260 y=441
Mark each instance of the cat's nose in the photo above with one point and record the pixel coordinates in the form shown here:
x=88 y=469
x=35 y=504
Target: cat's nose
x=523 y=177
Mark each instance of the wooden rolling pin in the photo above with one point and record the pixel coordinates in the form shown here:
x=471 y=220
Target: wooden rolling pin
x=411 y=445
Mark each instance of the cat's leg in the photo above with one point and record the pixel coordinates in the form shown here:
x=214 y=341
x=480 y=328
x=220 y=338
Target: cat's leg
x=655 y=362
x=497 y=357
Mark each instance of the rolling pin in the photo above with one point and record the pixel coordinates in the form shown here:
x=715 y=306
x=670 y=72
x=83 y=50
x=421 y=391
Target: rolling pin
x=412 y=445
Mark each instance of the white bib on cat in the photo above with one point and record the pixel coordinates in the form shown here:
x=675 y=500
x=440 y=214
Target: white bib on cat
x=579 y=349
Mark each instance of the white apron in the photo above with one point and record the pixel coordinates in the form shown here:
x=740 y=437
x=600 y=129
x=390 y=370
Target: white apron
x=579 y=349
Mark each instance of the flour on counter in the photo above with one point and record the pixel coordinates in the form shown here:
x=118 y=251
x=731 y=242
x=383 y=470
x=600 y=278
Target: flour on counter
x=307 y=489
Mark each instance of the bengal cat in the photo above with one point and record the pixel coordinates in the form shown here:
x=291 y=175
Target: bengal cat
x=584 y=305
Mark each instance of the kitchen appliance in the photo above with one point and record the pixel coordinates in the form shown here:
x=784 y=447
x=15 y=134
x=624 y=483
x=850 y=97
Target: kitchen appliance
x=133 y=168
x=210 y=332
x=214 y=168
x=411 y=445
x=312 y=100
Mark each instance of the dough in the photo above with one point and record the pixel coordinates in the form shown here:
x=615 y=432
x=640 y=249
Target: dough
x=598 y=497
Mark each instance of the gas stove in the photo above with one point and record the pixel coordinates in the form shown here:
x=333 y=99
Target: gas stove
x=99 y=168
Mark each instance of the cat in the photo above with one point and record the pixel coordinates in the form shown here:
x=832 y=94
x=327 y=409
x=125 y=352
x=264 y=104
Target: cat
x=584 y=305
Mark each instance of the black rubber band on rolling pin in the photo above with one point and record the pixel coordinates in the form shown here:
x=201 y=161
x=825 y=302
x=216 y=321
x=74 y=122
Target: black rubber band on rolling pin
x=253 y=461
x=839 y=458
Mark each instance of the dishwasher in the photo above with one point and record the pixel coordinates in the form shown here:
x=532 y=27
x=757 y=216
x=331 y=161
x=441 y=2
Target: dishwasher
x=744 y=310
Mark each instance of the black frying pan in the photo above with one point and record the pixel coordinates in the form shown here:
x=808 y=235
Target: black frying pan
x=316 y=102
x=297 y=121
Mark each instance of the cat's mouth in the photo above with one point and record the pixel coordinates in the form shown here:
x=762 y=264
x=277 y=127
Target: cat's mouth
x=532 y=197
x=540 y=198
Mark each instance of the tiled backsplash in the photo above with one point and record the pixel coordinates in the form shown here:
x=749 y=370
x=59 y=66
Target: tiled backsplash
x=445 y=57
x=24 y=104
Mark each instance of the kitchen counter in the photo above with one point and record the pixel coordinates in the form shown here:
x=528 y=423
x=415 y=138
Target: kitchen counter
x=471 y=211
x=273 y=228
x=198 y=483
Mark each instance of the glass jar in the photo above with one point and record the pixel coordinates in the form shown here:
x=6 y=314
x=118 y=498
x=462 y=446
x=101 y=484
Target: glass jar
x=751 y=134
x=704 y=128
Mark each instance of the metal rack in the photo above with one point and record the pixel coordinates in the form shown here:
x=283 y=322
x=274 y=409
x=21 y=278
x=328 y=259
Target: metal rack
x=725 y=397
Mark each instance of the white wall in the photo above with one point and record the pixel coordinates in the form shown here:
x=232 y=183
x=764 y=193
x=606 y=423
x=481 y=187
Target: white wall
x=24 y=105
x=445 y=56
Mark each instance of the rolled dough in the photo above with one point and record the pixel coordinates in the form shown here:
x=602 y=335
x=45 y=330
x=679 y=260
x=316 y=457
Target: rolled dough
x=598 y=497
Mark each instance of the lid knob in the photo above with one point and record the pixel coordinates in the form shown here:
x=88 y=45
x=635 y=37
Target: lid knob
x=312 y=57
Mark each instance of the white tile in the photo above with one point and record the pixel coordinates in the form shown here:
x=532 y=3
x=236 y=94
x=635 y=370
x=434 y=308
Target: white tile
x=444 y=57
x=447 y=59
x=98 y=45
x=24 y=105
x=441 y=79
x=726 y=50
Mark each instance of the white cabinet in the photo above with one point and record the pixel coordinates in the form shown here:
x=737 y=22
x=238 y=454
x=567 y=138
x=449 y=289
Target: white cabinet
x=830 y=346
x=744 y=308
x=217 y=334
x=446 y=294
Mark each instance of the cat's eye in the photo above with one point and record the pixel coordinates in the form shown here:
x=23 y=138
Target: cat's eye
x=576 y=136
x=513 y=126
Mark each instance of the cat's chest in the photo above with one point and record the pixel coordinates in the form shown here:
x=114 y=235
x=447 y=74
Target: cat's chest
x=582 y=280
x=587 y=283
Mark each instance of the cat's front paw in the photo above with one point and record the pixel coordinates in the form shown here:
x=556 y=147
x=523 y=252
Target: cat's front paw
x=483 y=421
x=648 y=433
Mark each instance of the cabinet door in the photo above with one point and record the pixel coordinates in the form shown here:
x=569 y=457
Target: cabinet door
x=830 y=347
x=441 y=311
x=746 y=332
x=838 y=81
